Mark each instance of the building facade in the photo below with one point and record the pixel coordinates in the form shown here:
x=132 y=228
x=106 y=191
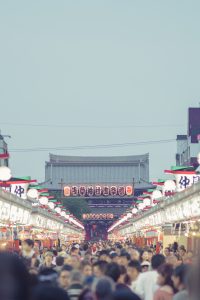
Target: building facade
x=109 y=185
x=188 y=146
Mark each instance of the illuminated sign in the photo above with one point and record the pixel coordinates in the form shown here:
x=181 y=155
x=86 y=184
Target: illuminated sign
x=97 y=190
x=97 y=216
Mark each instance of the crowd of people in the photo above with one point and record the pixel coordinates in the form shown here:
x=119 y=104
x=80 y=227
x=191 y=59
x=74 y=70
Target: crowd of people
x=101 y=270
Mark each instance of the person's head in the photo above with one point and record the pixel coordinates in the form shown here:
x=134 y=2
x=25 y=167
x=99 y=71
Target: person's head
x=104 y=255
x=48 y=276
x=145 y=265
x=125 y=294
x=99 y=268
x=150 y=254
x=27 y=245
x=113 y=271
x=76 y=277
x=157 y=261
x=114 y=257
x=145 y=256
x=135 y=254
x=167 y=251
x=85 y=247
x=60 y=261
x=125 y=258
x=179 y=276
x=86 y=268
x=75 y=261
x=172 y=260
x=103 y=288
x=42 y=292
x=165 y=272
x=74 y=251
x=14 y=278
x=48 y=258
x=64 y=277
x=134 y=269
x=63 y=247
x=182 y=251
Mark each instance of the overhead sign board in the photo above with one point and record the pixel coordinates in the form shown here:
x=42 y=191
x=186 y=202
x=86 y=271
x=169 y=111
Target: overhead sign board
x=97 y=190
x=98 y=216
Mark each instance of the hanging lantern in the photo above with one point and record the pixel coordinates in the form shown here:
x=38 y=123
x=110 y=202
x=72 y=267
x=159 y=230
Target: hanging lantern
x=129 y=215
x=43 y=200
x=156 y=195
x=169 y=185
x=51 y=205
x=58 y=209
x=134 y=211
x=5 y=173
x=67 y=217
x=32 y=194
x=63 y=213
x=141 y=206
x=147 y=202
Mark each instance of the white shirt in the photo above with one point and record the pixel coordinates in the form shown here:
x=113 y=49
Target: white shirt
x=147 y=285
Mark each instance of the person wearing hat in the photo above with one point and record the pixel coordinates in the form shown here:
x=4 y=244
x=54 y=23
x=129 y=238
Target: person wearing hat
x=48 y=261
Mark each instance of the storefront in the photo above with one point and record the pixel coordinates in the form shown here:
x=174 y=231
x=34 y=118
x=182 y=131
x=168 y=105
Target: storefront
x=174 y=219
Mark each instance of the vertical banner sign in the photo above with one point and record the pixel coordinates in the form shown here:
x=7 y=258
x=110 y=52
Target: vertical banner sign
x=19 y=190
x=184 y=181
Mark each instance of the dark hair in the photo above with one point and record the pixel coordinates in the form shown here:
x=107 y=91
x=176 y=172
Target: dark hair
x=103 y=252
x=181 y=272
x=166 y=270
x=125 y=254
x=113 y=271
x=60 y=261
x=11 y=266
x=85 y=247
x=122 y=270
x=29 y=242
x=67 y=268
x=157 y=261
x=73 y=249
x=48 y=276
x=85 y=263
x=43 y=292
x=102 y=265
x=125 y=294
x=135 y=264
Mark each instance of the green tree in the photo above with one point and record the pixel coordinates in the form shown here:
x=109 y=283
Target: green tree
x=76 y=206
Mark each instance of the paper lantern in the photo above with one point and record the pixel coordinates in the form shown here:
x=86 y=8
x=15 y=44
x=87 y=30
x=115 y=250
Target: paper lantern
x=147 y=202
x=5 y=173
x=58 y=209
x=129 y=215
x=169 y=185
x=43 y=200
x=156 y=195
x=141 y=206
x=134 y=211
x=51 y=205
x=32 y=194
x=63 y=213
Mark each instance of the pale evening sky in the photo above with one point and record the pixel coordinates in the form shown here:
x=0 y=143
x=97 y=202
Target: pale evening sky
x=103 y=72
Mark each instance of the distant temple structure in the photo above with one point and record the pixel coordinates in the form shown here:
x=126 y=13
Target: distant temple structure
x=108 y=183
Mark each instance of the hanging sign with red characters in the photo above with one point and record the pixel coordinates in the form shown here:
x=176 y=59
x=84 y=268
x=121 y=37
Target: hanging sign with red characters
x=97 y=190
x=97 y=216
